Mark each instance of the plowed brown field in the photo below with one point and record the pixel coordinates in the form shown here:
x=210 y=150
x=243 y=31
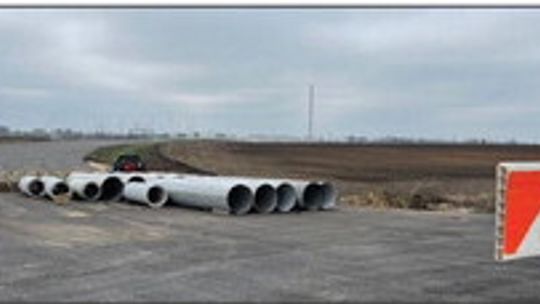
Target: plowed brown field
x=425 y=176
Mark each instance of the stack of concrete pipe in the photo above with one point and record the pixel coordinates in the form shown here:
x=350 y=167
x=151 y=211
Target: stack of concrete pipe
x=44 y=186
x=234 y=195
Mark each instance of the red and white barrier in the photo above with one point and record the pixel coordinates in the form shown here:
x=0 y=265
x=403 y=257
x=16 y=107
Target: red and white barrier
x=517 y=220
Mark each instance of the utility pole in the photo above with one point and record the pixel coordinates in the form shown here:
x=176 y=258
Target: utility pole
x=311 y=97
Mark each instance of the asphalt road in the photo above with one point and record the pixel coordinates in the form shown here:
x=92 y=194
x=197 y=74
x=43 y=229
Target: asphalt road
x=119 y=252
x=48 y=155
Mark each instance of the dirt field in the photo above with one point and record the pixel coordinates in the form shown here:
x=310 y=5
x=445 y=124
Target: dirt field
x=404 y=176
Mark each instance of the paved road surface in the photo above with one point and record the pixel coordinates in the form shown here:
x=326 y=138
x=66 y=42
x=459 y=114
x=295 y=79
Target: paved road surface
x=106 y=252
x=47 y=155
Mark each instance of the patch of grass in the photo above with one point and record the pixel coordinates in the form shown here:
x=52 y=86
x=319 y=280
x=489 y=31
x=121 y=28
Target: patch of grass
x=5 y=186
x=109 y=154
x=422 y=200
x=150 y=154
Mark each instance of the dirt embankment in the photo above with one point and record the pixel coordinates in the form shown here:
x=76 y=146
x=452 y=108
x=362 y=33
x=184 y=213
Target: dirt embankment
x=150 y=153
x=403 y=176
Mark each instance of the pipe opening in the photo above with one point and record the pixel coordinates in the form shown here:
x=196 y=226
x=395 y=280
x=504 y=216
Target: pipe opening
x=60 y=188
x=286 y=198
x=36 y=187
x=330 y=195
x=265 y=199
x=111 y=188
x=136 y=179
x=312 y=197
x=91 y=191
x=156 y=196
x=239 y=199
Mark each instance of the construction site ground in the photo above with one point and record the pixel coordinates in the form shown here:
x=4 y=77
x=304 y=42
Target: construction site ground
x=85 y=251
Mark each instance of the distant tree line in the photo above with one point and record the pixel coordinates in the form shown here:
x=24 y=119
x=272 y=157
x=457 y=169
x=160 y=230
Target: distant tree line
x=423 y=141
x=136 y=133
x=140 y=133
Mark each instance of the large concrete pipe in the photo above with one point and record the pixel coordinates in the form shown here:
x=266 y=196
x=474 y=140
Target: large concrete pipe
x=283 y=198
x=310 y=195
x=55 y=187
x=265 y=195
x=266 y=198
x=148 y=194
x=84 y=189
x=286 y=193
x=290 y=193
x=130 y=177
x=79 y=174
x=235 y=198
x=286 y=196
x=330 y=195
x=111 y=187
x=152 y=176
x=31 y=186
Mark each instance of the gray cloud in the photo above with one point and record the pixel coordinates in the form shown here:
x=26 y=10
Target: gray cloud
x=411 y=72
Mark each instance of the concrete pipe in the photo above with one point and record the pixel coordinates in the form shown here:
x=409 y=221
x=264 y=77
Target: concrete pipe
x=310 y=196
x=265 y=198
x=84 y=189
x=31 y=186
x=151 y=195
x=55 y=187
x=235 y=198
x=130 y=177
x=330 y=195
x=296 y=193
x=84 y=174
x=136 y=179
x=156 y=176
x=111 y=187
x=282 y=200
x=285 y=193
x=286 y=197
x=265 y=195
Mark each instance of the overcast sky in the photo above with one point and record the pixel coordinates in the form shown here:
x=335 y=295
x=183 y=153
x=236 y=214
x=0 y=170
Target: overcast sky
x=450 y=74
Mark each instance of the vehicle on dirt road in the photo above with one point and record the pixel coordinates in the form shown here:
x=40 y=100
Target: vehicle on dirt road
x=129 y=163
